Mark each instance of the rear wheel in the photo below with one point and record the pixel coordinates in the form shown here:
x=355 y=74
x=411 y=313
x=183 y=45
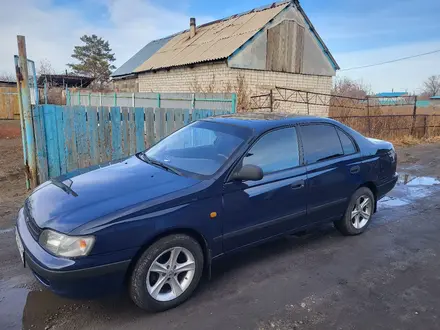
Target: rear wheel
x=358 y=214
x=167 y=273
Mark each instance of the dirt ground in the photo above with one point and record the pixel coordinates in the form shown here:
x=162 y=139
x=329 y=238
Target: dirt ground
x=387 y=278
x=12 y=179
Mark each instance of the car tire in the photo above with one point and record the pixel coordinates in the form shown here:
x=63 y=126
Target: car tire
x=355 y=221
x=144 y=278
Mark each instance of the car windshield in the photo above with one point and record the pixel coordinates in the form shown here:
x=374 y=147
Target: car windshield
x=201 y=148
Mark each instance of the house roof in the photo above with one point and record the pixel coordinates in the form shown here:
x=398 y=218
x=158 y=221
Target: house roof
x=64 y=80
x=213 y=41
x=391 y=94
x=140 y=57
x=7 y=82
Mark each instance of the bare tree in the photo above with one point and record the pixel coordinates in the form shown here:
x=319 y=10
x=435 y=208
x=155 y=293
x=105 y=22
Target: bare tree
x=45 y=67
x=5 y=76
x=431 y=86
x=345 y=86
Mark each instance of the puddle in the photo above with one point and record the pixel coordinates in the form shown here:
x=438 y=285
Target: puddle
x=420 y=181
x=7 y=230
x=408 y=189
x=11 y=308
x=21 y=308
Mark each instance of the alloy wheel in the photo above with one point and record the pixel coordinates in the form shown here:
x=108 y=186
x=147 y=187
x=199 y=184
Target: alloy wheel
x=361 y=213
x=170 y=274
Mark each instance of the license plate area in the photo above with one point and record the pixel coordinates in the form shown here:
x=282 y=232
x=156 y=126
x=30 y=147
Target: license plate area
x=20 y=246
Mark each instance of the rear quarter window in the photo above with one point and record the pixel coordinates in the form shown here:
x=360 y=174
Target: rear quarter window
x=347 y=143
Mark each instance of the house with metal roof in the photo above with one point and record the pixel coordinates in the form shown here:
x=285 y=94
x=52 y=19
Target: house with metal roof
x=435 y=100
x=251 y=52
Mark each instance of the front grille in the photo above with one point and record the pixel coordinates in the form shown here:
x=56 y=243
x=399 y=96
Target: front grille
x=31 y=224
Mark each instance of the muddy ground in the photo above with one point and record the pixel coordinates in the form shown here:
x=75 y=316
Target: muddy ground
x=387 y=278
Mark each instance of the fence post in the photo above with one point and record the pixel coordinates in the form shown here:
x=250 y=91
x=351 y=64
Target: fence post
x=90 y=99
x=23 y=131
x=158 y=100
x=425 y=126
x=413 y=126
x=100 y=99
x=234 y=103
x=79 y=97
x=368 y=116
x=115 y=99
x=27 y=111
x=307 y=100
x=45 y=91
x=133 y=100
x=193 y=101
x=271 y=100
x=67 y=96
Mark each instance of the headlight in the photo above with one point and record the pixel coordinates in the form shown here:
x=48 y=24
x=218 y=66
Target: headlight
x=64 y=245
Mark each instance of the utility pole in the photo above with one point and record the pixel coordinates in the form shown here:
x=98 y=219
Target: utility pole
x=27 y=111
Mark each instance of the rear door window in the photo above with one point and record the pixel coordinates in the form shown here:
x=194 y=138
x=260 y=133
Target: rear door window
x=275 y=151
x=320 y=142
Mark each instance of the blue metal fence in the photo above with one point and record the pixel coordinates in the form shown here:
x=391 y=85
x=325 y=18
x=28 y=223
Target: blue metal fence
x=73 y=137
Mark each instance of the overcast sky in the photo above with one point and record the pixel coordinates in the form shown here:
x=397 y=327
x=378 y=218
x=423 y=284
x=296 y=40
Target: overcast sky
x=357 y=32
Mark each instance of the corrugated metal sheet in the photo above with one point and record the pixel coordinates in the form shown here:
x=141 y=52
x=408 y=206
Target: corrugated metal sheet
x=212 y=41
x=141 y=56
x=391 y=94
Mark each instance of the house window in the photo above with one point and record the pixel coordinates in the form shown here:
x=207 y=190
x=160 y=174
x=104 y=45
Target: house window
x=285 y=47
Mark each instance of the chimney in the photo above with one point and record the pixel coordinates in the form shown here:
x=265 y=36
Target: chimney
x=192 y=27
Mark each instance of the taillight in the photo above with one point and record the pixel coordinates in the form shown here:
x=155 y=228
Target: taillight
x=392 y=155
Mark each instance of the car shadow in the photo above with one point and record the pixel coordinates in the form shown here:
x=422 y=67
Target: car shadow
x=118 y=308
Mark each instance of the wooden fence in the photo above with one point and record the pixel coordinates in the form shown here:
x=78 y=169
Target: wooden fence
x=73 y=137
x=9 y=106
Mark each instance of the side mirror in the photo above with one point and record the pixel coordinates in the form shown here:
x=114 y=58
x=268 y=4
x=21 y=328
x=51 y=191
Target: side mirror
x=248 y=172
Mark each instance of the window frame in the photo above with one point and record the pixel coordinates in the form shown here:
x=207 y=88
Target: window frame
x=339 y=139
x=356 y=147
x=239 y=161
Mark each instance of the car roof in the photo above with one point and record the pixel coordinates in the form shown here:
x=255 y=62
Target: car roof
x=263 y=121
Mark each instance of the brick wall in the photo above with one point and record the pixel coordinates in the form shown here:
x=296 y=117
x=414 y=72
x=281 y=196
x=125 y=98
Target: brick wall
x=125 y=85
x=218 y=77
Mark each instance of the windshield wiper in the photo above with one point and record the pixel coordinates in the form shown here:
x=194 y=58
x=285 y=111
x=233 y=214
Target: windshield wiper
x=159 y=164
x=330 y=157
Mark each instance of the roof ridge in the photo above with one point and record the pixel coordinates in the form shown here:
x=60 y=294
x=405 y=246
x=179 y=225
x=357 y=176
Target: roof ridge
x=258 y=9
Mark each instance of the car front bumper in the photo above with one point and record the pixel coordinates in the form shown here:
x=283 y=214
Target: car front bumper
x=76 y=278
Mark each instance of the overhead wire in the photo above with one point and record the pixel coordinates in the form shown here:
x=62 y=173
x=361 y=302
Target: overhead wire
x=391 y=61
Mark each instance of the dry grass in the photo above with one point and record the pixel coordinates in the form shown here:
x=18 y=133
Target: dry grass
x=408 y=140
x=394 y=123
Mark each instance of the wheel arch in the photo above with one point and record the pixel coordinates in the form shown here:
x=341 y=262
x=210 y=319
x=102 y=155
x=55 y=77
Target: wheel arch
x=172 y=231
x=370 y=185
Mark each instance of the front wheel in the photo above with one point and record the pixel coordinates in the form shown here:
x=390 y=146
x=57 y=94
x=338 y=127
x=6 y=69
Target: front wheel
x=358 y=214
x=167 y=273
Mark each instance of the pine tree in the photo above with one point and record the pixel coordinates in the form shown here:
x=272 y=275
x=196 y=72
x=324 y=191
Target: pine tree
x=95 y=59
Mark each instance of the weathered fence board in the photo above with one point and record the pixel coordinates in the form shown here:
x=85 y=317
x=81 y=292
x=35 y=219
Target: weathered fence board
x=149 y=121
x=92 y=126
x=139 y=120
x=116 y=132
x=59 y=112
x=72 y=137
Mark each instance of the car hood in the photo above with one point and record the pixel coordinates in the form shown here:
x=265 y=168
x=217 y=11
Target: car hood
x=72 y=200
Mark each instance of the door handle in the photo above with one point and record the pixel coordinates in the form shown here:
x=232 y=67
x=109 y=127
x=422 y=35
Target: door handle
x=297 y=184
x=355 y=169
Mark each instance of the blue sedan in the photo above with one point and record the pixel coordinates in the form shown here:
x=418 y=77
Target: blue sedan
x=154 y=222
